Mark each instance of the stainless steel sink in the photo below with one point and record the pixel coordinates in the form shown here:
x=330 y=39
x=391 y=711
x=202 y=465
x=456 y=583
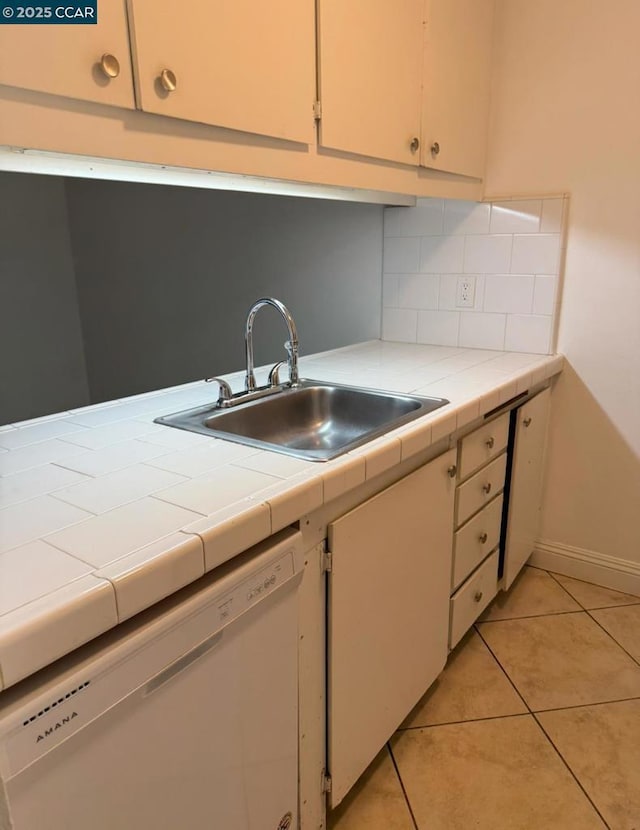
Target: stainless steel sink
x=315 y=421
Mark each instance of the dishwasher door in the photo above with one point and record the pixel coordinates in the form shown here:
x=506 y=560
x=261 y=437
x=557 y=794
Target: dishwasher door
x=190 y=723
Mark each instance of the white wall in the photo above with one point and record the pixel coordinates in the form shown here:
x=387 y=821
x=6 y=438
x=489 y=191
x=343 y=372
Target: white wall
x=566 y=117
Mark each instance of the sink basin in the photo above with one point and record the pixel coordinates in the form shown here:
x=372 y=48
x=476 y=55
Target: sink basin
x=315 y=421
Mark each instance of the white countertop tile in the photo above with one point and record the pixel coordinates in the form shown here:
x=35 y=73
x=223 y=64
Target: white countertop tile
x=34 y=519
x=173 y=438
x=197 y=461
x=291 y=498
x=105 y=436
x=35 y=455
x=103 y=539
x=40 y=632
x=224 y=486
x=33 y=570
x=154 y=572
x=98 y=495
x=23 y=437
x=36 y=481
x=274 y=464
x=380 y=455
x=342 y=474
x=109 y=459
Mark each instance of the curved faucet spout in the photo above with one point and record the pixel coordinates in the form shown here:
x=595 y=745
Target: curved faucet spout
x=291 y=345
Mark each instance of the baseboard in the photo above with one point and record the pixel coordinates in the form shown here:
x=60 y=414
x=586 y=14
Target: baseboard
x=588 y=565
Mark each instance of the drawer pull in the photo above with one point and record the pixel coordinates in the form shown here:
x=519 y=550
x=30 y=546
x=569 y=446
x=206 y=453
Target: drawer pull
x=487 y=487
x=527 y=421
x=490 y=442
x=452 y=471
x=482 y=538
x=477 y=596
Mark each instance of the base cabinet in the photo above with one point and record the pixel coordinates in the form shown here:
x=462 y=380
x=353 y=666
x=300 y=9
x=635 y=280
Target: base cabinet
x=388 y=609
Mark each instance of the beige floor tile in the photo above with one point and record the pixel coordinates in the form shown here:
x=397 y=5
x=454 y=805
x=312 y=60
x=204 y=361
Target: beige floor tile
x=601 y=744
x=500 y=774
x=376 y=802
x=594 y=596
x=623 y=623
x=562 y=660
x=471 y=687
x=532 y=594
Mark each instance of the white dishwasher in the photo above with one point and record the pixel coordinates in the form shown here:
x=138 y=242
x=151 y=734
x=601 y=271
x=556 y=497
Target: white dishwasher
x=186 y=717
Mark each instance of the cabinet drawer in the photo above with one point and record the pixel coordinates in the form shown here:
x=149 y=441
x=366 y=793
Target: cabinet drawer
x=480 y=489
x=483 y=445
x=474 y=539
x=470 y=600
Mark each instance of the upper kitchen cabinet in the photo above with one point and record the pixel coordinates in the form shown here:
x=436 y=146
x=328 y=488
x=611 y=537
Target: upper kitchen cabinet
x=369 y=71
x=89 y=62
x=244 y=65
x=456 y=89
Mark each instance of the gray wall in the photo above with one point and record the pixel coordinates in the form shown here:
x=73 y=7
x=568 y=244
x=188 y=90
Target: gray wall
x=109 y=289
x=166 y=276
x=42 y=366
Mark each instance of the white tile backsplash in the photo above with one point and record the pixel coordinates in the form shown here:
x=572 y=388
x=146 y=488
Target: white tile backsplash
x=511 y=248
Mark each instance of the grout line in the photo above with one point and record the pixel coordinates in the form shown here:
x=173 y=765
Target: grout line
x=565 y=589
x=585 y=705
x=468 y=720
x=404 y=792
x=572 y=773
x=599 y=607
x=610 y=635
x=502 y=669
x=580 y=610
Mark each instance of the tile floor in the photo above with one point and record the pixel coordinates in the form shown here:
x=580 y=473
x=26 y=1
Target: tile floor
x=533 y=725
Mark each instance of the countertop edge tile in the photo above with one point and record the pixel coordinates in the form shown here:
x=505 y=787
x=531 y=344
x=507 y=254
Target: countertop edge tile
x=46 y=629
x=154 y=572
x=230 y=531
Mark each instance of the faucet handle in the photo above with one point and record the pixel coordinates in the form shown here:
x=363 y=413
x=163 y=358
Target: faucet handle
x=225 y=392
x=274 y=374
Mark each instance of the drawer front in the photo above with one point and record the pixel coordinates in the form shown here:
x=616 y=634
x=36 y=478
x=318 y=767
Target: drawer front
x=483 y=445
x=475 y=539
x=480 y=489
x=470 y=600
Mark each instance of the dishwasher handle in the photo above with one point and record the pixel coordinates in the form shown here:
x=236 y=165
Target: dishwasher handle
x=182 y=663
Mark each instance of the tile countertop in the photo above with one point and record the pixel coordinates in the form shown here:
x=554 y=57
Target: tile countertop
x=103 y=513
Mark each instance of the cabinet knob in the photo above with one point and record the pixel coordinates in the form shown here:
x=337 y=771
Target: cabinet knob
x=415 y=144
x=487 y=487
x=435 y=148
x=527 y=421
x=110 y=65
x=452 y=471
x=482 y=538
x=490 y=442
x=168 y=80
x=477 y=596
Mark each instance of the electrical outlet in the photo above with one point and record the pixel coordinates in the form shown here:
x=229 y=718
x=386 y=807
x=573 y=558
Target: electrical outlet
x=465 y=292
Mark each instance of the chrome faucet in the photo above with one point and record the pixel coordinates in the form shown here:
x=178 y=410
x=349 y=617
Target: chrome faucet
x=291 y=345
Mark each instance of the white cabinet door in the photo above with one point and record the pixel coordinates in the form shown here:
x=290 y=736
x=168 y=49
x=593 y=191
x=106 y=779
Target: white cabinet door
x=388 y=612
x=369 y=71
x=68 y=59
x=245 y=65
x=457 y=81
x=526 y=484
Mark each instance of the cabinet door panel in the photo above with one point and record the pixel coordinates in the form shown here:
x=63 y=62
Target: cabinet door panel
x=243 y=65
x=457 y=85
x=526 y=484
x=388 y=614
x=370 y=61
x=65 y=59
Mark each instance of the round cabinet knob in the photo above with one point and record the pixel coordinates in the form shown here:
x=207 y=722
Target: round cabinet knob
x=168 y=80
x=452 y=471
x=527 y=421
x=482 y=538
x=487 y=487
x=435 y=149
x=110 y=65
x=415 y=144
x=490 y=442
x=477 y=596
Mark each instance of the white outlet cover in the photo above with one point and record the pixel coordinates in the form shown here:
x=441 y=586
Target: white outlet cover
x=465 y=292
